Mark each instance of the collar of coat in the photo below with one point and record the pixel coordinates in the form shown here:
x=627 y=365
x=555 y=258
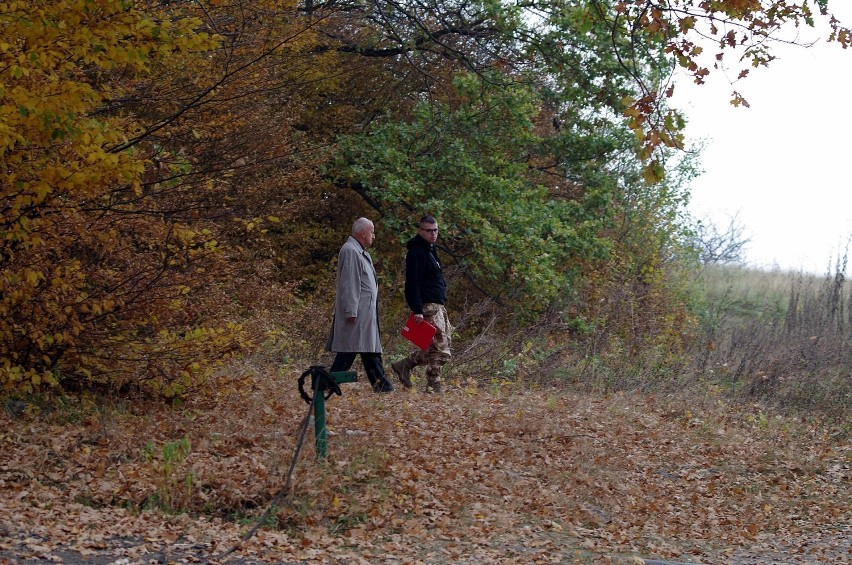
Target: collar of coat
x=363 y=251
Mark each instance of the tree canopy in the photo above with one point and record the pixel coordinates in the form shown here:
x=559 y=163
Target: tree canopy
x=170 y=166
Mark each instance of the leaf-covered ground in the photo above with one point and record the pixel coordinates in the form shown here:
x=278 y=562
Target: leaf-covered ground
x=507 y=475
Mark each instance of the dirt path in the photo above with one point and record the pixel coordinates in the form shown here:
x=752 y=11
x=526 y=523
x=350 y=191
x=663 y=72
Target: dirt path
x=467 y=477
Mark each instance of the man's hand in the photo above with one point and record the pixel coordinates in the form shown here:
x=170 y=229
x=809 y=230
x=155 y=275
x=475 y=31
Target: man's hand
x=418 y=318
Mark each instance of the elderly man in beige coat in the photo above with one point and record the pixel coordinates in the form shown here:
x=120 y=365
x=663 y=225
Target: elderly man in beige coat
x=355 y=329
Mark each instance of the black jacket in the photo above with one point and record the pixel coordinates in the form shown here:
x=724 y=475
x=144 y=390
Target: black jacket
x=424 y=280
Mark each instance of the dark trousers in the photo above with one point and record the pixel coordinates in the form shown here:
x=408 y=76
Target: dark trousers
x=373 y=366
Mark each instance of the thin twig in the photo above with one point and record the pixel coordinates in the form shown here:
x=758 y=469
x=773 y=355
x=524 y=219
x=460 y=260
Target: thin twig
x=284 y=490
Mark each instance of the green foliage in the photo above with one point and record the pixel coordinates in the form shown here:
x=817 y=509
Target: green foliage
x=173 y=481
x=470 y=166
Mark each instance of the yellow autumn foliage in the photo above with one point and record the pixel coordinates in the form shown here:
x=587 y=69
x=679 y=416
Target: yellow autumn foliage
x=87 y=283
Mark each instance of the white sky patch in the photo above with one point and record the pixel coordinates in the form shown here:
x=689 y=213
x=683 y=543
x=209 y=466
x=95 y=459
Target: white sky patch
x=782 y=165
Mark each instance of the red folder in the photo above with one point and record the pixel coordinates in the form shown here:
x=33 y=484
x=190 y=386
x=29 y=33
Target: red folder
x=419 y=334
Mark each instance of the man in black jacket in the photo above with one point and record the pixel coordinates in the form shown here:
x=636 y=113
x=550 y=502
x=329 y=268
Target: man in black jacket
x=425 y=292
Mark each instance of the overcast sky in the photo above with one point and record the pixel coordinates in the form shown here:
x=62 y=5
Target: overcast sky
x=782 y=165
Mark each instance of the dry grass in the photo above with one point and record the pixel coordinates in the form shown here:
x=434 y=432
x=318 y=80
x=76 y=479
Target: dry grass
x=776 y=337
x=779 y=337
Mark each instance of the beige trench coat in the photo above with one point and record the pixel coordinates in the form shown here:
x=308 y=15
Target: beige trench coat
x=357 y=295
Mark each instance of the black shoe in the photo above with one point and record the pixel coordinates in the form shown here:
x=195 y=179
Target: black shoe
x=384 y=386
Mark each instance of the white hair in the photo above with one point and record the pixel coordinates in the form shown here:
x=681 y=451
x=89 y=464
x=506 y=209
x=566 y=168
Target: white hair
x=360 y=225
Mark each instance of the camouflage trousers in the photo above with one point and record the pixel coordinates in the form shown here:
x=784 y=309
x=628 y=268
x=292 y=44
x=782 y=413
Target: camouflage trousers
x=439 y=350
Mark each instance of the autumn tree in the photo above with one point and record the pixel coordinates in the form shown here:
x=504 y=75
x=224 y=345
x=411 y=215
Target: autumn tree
x=97 y=279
